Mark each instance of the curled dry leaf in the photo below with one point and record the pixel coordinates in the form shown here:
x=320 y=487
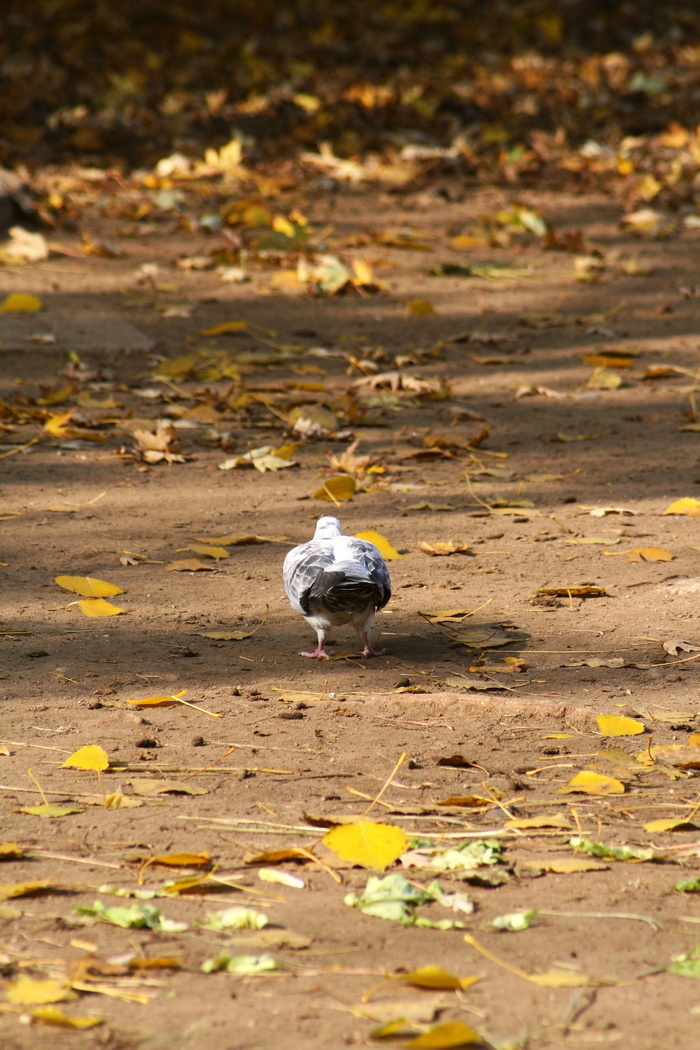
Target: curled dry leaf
x=159 y=446
x=443 y=548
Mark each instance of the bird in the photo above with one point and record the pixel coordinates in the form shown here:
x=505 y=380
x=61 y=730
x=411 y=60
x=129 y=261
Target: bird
x=335 y=579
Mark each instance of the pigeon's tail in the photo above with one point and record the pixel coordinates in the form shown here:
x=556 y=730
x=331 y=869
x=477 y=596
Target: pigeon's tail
x=341 y=592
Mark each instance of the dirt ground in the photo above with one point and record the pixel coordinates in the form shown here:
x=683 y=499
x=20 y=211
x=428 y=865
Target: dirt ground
x=280 y=747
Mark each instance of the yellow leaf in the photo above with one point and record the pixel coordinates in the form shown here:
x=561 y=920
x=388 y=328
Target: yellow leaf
x=208 y=552
x=386 y=549
x=544 y=820
x=52 y=1015
x=649 y=554
x=9 y=890
x=419 y=308
x=56 y=424
x=341 y=487
x=685 y=506
x=367 y=844
x=232 y=541
x=98 y=607
x=282 y=225
x=436 y=977
x=88 y=586
x=92 y=756
x=225 y=327
x=19 y=303
x=158 y=701
x=27 y=991
x=470 y=801
x=619 y=725
x=49 y=809
x=589 y=783
x=11 y=851
x=443 y=1036
x=670 y=825
x=566 y=865
x=180 y=860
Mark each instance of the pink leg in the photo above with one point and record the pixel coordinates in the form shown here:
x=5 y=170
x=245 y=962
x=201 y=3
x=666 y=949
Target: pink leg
x=320 y=652
x=368 y=649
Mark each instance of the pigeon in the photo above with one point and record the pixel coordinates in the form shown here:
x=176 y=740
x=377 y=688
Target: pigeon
x=335 y=579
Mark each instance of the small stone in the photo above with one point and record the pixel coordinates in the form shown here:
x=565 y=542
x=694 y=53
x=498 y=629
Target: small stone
x=403 y=683
x=146 y=741
x=198 y=741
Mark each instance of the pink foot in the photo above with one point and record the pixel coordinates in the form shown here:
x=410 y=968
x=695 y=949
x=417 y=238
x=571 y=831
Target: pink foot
x=319 y=654
x=369 y=651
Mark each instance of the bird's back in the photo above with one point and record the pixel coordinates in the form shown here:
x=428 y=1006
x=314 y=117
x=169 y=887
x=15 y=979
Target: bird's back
x=342 y=575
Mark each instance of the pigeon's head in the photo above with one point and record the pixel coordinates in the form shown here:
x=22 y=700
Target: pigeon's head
x=327 y=528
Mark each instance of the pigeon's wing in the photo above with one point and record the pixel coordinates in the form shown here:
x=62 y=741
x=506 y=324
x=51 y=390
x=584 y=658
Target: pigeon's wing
x=371 y=558
x=301 y=568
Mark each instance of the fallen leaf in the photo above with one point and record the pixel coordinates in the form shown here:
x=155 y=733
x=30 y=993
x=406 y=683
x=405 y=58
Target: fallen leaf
x=566 y=865
x=244 y=965
x=53 y=1015
x=49 y=809
x=88 y=586
x=544 y=820
x=92 y=757
x=236 y=917
x=137 y=917
x=225 y=328
x=385 y=548
x=662 y=825
x=98 y=607
x=31 y=991
x=341 y=487
x=446 y=1036
x=688 y=506
x=649 y=554
x=515 y=921
x=589 y=783
x=444 y=548
x=436 y=977
x=21 y=303
x=209 y=552
x=673 y=646
x=367 y=844
x=419 y=308
x=24 y=889
x=619 y=725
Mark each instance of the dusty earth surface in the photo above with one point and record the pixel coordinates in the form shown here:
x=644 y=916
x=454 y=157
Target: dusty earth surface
x=279 y=748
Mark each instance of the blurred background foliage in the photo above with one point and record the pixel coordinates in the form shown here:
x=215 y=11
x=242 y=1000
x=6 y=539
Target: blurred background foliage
x=122 y=84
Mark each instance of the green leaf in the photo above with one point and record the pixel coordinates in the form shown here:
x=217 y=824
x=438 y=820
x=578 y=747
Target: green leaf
x=515 y=921
x=138 y=916
x=235 y=918
x=247 y=965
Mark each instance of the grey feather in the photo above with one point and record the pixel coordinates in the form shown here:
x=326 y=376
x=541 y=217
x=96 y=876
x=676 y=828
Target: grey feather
x=334 y=580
